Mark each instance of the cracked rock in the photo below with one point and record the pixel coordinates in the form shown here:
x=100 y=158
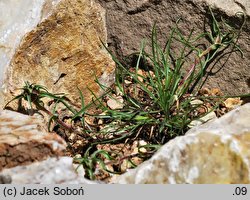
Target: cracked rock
x=22 y=140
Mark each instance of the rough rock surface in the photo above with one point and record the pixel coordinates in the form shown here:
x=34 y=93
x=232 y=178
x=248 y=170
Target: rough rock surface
x=216 y=152
x=64 y=51
x=51 y=171
x=23 y=141
x=128 y=22
x=17 y=17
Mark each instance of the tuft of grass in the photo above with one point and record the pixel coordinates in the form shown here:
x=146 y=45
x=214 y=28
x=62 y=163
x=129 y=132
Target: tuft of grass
x=158 y=105
x=168 y=109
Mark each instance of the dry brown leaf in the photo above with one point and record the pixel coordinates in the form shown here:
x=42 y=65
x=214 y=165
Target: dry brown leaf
x=204 y=91
x=90 y=120
x=140 y=73
x=232 y=103
x=216 y=92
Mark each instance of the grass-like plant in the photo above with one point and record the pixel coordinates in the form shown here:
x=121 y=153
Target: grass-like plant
x=168 y=91
x=159 y=105
x=34 y=95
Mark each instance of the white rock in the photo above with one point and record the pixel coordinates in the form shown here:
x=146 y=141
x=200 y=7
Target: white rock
x=207 y=117
x=51 y=171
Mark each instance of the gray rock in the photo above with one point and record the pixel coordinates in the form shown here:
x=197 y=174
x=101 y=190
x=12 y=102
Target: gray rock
x=51 y=171
x=5 y=179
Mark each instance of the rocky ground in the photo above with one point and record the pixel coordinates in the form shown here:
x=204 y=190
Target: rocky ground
x=131 y=151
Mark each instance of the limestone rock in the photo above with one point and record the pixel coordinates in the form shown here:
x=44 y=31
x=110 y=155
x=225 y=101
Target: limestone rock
x=234 y=122
x=17 y=17
x=130 y=21
x=64 y=51
x=216 y=152
x=51 y=171
x=22 y=140
x=207 y=117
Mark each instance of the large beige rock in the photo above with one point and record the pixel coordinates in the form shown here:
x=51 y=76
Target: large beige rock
x=231 y=74
x=64 y=51
x=17 y=17
x=23 y=141
x=50 y=171
x=216 y=152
